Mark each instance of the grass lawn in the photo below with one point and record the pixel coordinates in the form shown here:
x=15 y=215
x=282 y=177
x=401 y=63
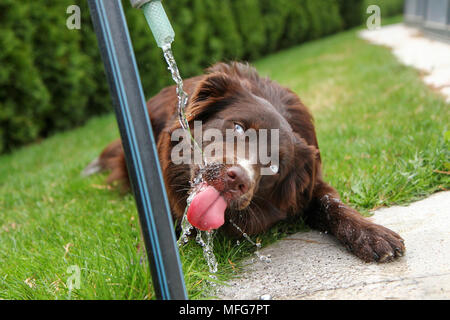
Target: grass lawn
x=383 y=140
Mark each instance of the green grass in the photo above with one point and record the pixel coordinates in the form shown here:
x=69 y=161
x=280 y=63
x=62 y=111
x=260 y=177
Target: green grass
x=382 y=135
x=381 y=131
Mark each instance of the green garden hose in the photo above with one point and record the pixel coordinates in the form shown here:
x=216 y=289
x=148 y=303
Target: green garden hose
x=157 y=20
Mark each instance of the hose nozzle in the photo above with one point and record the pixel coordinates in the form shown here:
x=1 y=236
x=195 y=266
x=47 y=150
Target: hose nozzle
x=157 y=20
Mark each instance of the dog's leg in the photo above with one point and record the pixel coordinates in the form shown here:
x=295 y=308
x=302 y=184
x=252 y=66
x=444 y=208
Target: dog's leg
x=112 y=158
x=367 y=240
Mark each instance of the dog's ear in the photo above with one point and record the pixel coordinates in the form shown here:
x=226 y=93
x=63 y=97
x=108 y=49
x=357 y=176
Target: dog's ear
x=215 y=86
x=214 y=93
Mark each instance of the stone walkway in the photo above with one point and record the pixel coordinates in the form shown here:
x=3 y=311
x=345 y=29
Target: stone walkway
x=313 y=265
x=413 y=49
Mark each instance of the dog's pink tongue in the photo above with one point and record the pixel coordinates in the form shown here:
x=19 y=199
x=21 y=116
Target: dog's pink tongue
x=207 y=209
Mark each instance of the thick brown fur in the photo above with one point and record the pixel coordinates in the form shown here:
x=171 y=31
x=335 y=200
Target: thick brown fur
x=298 y=189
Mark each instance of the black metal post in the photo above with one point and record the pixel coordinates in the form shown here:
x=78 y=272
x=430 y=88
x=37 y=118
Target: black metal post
x=140 y=148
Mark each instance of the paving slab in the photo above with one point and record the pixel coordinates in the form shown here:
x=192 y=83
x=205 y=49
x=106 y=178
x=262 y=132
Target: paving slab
x=413 y=49
x=313 y=265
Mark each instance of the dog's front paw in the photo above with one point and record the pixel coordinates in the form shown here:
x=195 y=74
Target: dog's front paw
x=372 y=242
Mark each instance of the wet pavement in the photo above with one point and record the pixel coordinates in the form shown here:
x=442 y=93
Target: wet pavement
x=313 y=265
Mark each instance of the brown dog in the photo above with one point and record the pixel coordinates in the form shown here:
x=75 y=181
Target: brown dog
x=233 y=97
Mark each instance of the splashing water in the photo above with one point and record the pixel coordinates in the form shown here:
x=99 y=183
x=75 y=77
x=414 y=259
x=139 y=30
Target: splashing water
x=203 y=238
x=186 y=228
x=261 y=257
x=208 y=250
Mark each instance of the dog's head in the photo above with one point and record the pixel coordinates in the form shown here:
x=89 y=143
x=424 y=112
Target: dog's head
x=255 y=168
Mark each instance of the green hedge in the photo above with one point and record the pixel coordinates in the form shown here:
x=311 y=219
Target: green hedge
x=351 y=12
x=52 y=78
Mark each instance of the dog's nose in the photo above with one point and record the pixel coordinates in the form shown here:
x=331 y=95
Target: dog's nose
x=237 y=179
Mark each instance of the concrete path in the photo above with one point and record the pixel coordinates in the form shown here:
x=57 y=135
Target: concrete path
x=413 y=49
x=313 y=265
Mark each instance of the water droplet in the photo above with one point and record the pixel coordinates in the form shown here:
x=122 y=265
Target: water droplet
x=274 y=168
x=257 y=245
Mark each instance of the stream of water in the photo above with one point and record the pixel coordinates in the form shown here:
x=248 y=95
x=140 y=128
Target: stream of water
x=261 y=257
x=203 y=238
x=182 y=98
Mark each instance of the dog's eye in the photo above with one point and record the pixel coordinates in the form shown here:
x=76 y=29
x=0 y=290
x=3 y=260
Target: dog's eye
x=238 y=128
x=274 y=168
